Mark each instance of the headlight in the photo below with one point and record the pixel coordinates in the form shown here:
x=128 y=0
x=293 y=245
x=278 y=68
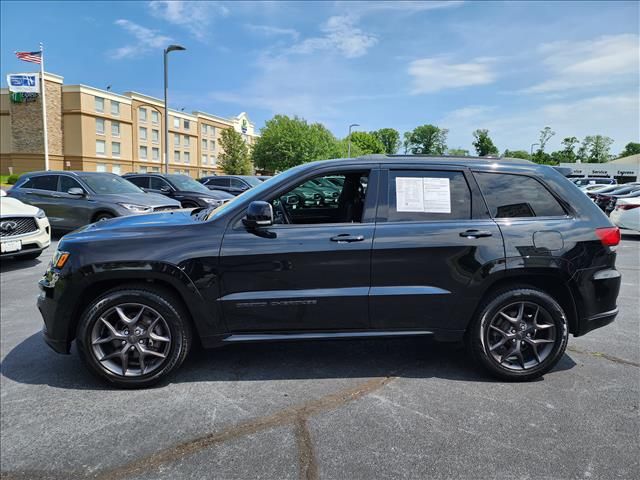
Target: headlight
x=40 y=213
x=211 y=201
x=136 y=208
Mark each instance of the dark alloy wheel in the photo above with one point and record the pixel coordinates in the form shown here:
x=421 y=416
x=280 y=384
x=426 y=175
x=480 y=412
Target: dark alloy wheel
x=520 y=334
x=102 y=216
x=134 y=337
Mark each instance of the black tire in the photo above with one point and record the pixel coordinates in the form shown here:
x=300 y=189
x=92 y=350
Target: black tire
x=102 y=216
x=478 y=338
x=164 y=303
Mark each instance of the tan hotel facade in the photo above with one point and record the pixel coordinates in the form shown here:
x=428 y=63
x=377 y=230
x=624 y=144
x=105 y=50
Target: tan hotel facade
x=97 y=130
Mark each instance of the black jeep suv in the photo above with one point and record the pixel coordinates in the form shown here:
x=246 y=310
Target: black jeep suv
x=504 y=254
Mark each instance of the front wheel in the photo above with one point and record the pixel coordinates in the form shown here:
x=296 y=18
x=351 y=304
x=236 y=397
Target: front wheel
x=134 y=337
x=519 y=334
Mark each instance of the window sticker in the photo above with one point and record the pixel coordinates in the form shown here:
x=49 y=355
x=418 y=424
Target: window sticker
x=423 y=194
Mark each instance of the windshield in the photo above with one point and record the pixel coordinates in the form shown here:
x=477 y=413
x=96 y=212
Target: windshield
x=185 y=183
x=107 y=184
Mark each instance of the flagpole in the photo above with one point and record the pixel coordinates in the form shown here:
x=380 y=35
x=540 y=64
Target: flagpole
x=44 y=109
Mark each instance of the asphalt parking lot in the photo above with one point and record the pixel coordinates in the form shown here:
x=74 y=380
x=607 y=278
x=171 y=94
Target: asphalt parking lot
x=340 y=410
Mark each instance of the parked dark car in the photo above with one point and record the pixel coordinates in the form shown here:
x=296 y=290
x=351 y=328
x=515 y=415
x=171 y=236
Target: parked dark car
x=581 y=182
x=73 y=199
x=603 y=199
x=183 y=188
x=506 y=256
x=264 y=178
x=234 y=184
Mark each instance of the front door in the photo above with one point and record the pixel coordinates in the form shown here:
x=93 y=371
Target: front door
x=310 y=270
x=434 y=243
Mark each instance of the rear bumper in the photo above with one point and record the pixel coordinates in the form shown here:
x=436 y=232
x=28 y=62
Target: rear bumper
x=597 y=291
x=596 y=321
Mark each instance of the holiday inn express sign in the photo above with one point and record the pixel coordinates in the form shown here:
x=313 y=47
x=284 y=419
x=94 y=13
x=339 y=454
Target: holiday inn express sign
x=23 y=82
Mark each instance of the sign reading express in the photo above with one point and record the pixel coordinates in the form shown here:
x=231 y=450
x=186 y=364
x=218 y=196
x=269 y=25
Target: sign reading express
x=23 y=82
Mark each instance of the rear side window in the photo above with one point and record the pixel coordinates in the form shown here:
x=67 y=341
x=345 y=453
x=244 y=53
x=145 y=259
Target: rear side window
x=517 y=196
x=43 y=182
x=426 y=195
x=142 y=182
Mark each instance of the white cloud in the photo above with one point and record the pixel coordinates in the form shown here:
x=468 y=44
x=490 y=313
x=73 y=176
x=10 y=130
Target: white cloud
x=196 y=17
x=341 y=34
x=578 y=65
x=146 y=40
x=616 y=116
x=435 y=74
x=271 y=31
x=403 y=6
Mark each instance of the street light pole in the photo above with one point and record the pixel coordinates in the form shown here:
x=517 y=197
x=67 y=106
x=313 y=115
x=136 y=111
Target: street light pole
x=349 y=139
x=533 y=145
x=170 y=48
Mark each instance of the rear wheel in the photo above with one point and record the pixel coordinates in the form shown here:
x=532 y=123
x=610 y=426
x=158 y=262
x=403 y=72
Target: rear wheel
x=134 y=337
x=519 y=334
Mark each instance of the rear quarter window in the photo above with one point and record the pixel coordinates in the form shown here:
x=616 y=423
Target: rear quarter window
x=42 y=182
x=517 y=196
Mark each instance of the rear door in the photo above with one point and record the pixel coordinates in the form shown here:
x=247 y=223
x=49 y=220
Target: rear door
x=434 y=243
x=41 y=191
x=72 y=210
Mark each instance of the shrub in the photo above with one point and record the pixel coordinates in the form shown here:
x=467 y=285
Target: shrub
x=12 y=179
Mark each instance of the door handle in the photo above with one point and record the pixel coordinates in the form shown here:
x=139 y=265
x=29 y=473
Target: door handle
x=475 y=233
x=346 y=238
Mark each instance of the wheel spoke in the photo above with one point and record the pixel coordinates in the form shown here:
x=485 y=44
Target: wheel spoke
x=509 y=353
x=520 y=357
x=124 y=358
x=159 y=338
x=141 y=360
x=153 y=353
x=520 y=312
x=511 y=320
x=499 y=344
x=501 y=332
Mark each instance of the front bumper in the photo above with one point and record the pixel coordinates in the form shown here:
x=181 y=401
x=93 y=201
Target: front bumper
x=55 y=315
x=32 y=242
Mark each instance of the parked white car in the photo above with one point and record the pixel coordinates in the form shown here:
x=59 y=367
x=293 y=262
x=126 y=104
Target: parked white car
x=24 y=229
x=626 y=214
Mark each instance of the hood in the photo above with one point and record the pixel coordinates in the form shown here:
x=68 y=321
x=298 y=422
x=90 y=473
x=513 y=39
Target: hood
x=215 y=194
x=145 y=199
x=12 y=206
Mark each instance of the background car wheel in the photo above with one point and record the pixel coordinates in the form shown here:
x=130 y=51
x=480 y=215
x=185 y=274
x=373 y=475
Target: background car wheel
x=133 y=337
x=519 y=334
x=102 y=216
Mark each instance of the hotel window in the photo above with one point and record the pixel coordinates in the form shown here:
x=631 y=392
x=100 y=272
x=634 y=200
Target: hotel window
x=187 y=157
x=154 y=117
x=143 y=133
x=115 y=108
x=115 y=169
x=204 y=129
x=115 y=149
x=155 y=169
x=142 y=169
x=142 y=114
x=176 y=139
x=100 y=126
x=101 y=167
x=155 y=136
x=212 y=131
x=143 y=153
x=213 y=160
x=115 y=129
x=204 y=144
x=187 y=124
x=187 y=141
x=176 y=155
x=176 y=122
x=99 y=104
x=100 y=147
x=213 y=145
x=155 y=153
x=204 y=159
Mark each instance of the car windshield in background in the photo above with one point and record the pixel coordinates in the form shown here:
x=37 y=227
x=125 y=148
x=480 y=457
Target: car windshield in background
x=107 y=184
x=187 y=184
x=253 y=181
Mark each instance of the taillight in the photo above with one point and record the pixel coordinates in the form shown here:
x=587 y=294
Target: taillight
x=609 y=236
x=627 y=207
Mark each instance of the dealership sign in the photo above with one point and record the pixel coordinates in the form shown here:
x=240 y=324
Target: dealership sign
x=602 y=170
x=23 y=82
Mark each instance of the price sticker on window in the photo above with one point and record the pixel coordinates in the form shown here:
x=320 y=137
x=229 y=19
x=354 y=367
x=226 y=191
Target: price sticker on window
x=423 y=194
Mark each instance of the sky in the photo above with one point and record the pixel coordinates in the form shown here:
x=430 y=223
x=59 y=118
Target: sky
x=512 y=67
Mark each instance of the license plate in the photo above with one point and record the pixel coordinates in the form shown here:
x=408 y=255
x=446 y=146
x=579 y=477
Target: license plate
x=13 y=246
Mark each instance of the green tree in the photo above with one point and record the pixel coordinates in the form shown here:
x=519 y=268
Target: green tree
x=545 y=135
x=234 y=159
x=517 y=154
x=406 y=141
x=340 y=149
x=567 y=154
x=428 y=140
x=458 y=152
x=368 y=142
x=483 y=144
x=596 y=148
x=285 y=142
x=390 y=138
x=630 y=148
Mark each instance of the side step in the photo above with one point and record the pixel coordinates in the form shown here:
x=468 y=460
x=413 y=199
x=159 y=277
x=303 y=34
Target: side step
x=276 y=337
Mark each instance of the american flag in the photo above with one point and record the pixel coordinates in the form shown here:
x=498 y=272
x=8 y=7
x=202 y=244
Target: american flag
x=33 y=57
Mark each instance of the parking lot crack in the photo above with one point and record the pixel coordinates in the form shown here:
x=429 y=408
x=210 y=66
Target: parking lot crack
x=606 y=356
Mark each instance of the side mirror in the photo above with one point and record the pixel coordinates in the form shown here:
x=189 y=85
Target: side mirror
x=76 y=192
x=165 y=189
x=259 y=214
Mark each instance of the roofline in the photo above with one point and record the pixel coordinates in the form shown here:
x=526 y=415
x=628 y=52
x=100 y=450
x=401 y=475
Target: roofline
x=93 y=90
x=463 y=158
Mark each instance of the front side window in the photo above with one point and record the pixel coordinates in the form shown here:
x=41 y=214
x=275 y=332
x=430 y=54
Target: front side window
x=100 y=126
x=99 y=104
x=100 y=147
x=317 y=200
x=66 y=183
x=517 y=196
x=158 y=184
x=426 y=195
x=115 y=108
